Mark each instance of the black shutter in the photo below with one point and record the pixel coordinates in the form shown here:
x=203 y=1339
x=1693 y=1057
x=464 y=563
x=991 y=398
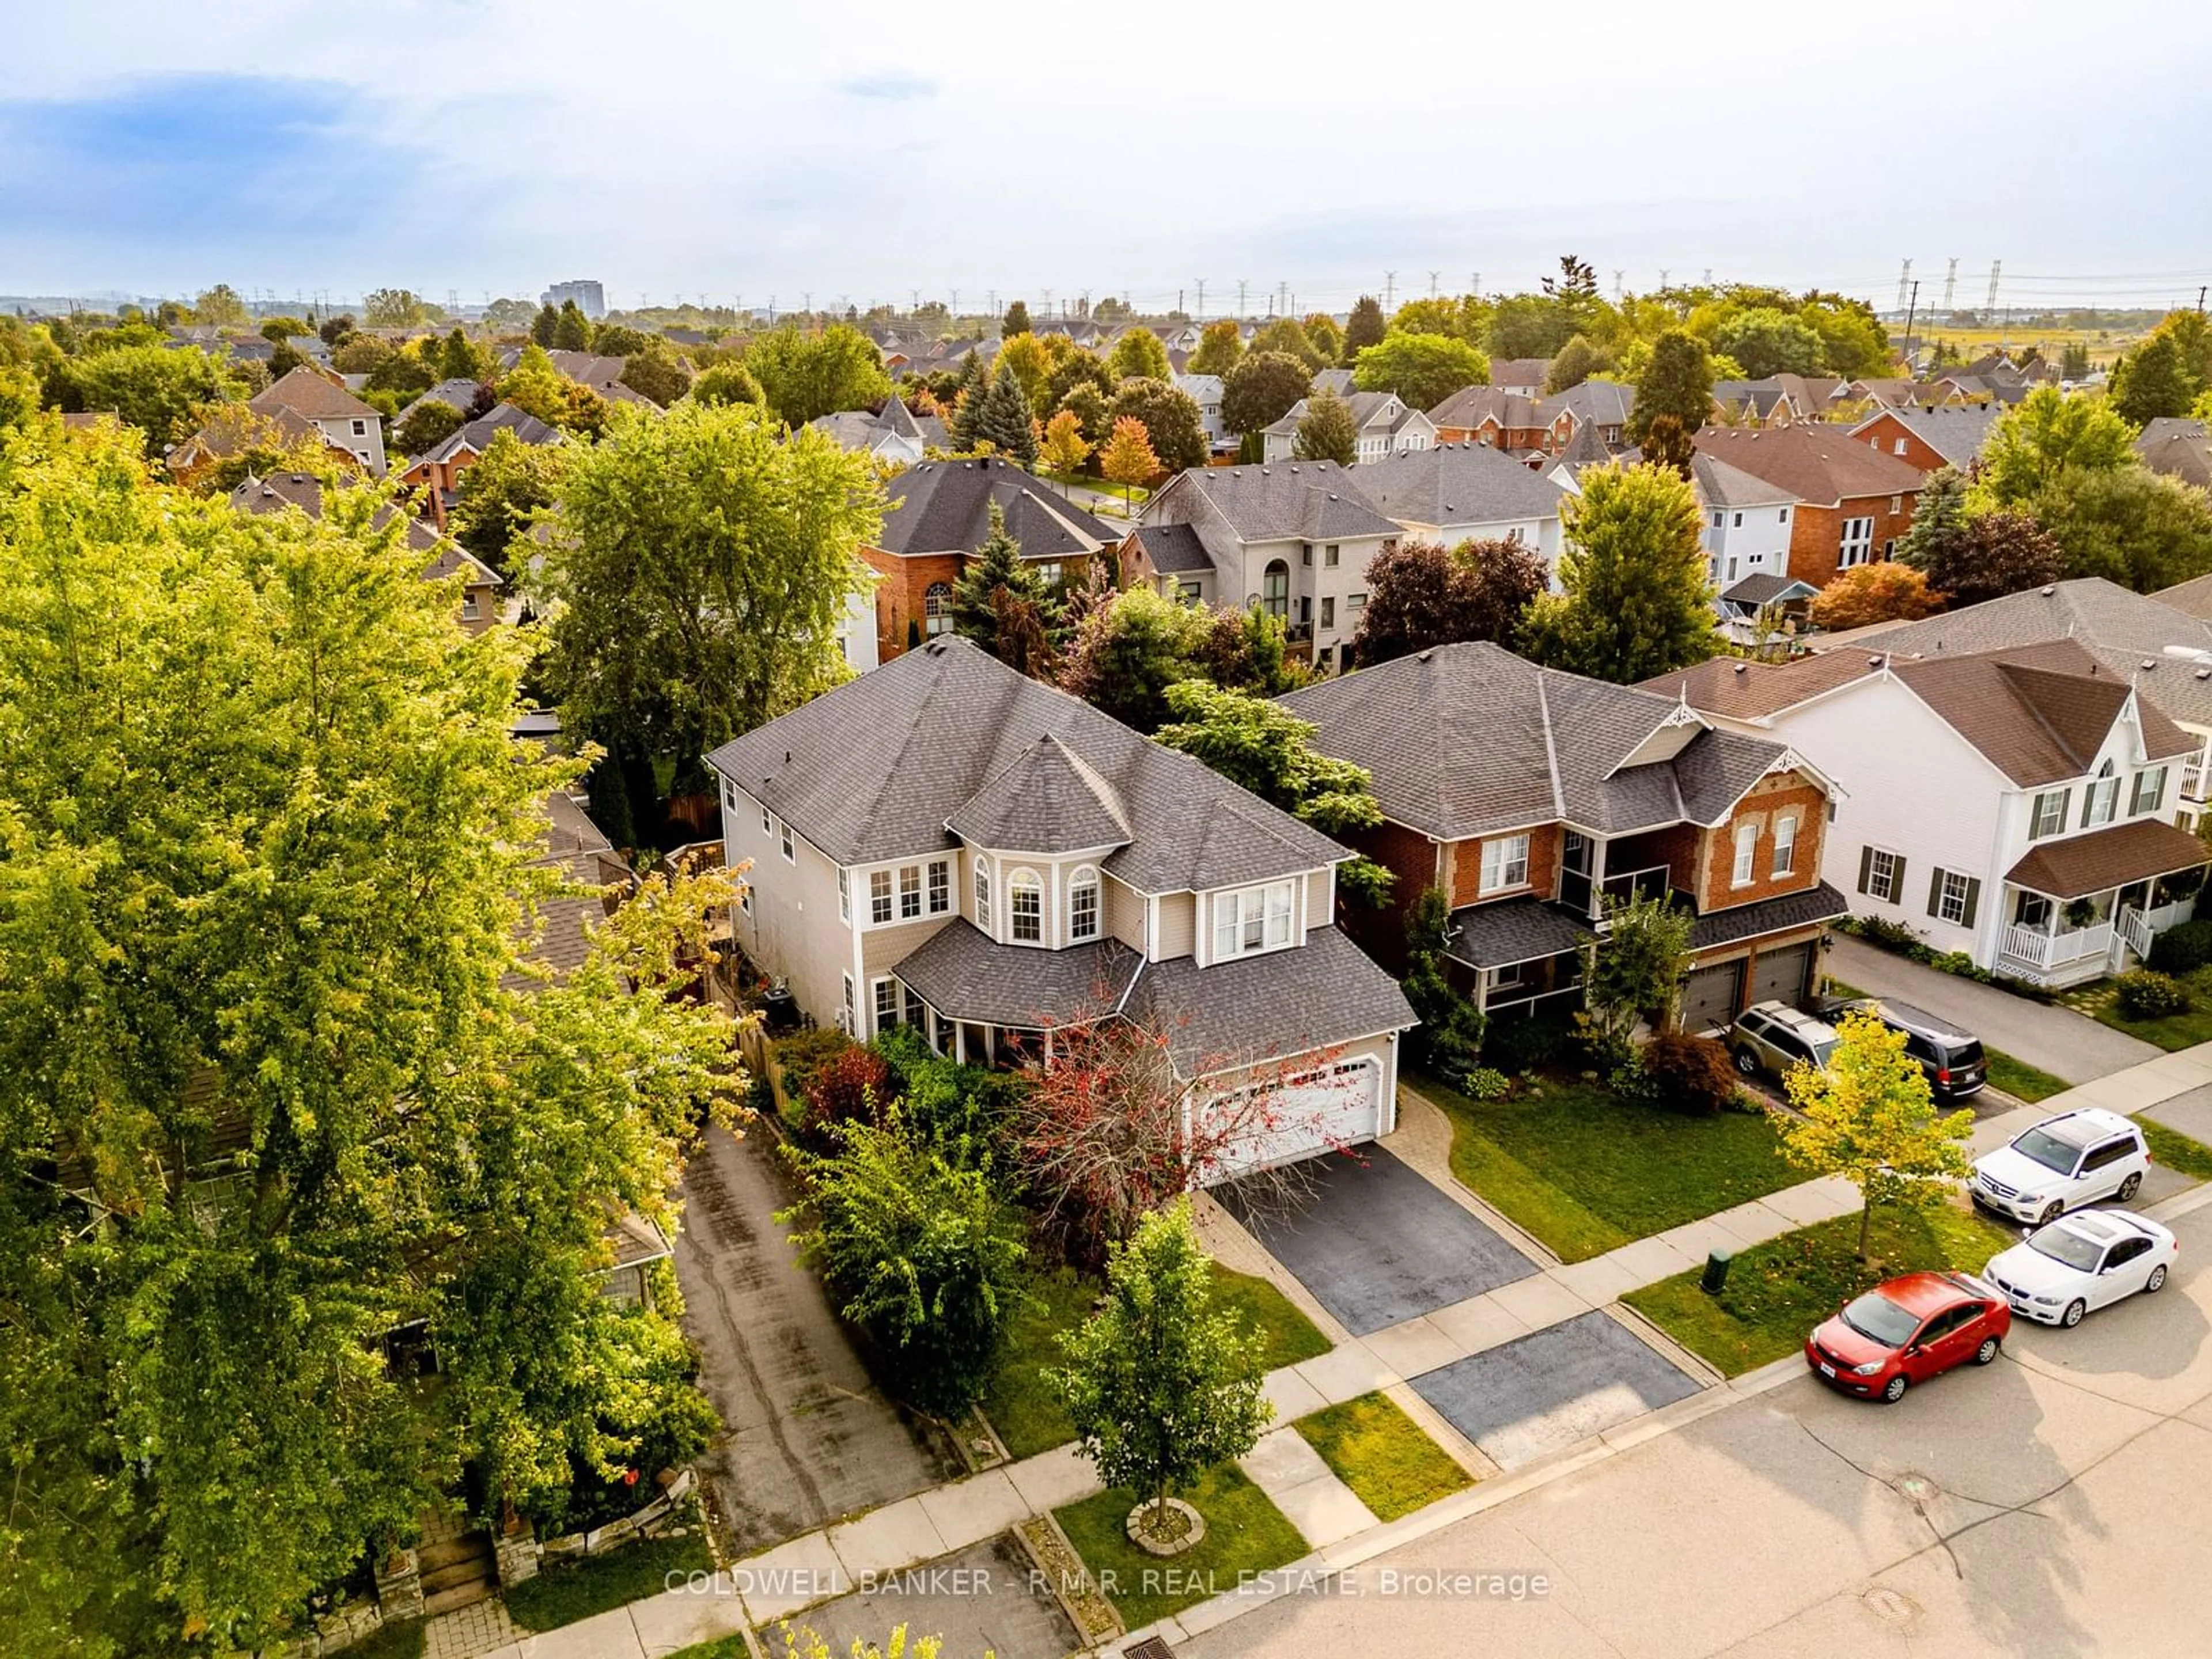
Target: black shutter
x=1935 y=890
x=1973 y=898
x=1865 y=867
x=1897 y=884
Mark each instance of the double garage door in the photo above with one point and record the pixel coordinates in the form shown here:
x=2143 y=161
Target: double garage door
x=1712 y=995
x=1340 y=1106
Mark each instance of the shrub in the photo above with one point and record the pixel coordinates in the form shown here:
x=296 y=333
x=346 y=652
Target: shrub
x=850 y=1086
x=1484 y=1083
x=2182 y=948
x=1687 y=1074
x=805 y=1052
x=965 y=1109
x=1522 y=1045
x=2146 y=993
x=1890 y=935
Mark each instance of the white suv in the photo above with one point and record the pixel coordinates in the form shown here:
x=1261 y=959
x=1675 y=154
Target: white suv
x=2074 y=1158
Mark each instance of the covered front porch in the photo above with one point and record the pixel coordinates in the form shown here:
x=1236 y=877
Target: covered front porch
x=2081 y=908
x=1522 y=957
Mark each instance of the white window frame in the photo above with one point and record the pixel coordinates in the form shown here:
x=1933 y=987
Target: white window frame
x=1952 y=884
x=1082 y=885
x=1504 y=864
x=852 y=1015
x=884 y=1017
x=937 y=877
x=1021 y=884
x=786 y=842
x=844 y=894
x=1786 y=845
x=1355 y=601
x=984 y=895
x=2138 y=800
x=1746 y=870
x=767 y=821
x=1856 y=545
x=2046 y=814
x=1250 y=921
x=2101 y=805
x=910 y=892
x=883 y=897
x=1881 y=875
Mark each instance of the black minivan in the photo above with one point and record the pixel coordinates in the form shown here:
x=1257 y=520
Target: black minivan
x=1952 y=1057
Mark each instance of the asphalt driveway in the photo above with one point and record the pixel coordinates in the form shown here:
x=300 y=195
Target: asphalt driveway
x=979 y=1600
x=807 y=1435
x=1376 y=1241
x=2053 y=1039
x=1552 y=1388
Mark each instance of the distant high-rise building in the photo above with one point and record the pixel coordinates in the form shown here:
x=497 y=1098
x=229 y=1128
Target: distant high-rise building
x=591 y=299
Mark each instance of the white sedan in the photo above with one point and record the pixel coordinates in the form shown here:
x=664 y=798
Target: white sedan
x=2092 y=1257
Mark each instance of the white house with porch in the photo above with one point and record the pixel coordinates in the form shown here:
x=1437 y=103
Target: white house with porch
x=2014 y=806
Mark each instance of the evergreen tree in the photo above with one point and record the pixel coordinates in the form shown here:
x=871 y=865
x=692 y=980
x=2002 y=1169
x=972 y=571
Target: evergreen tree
x=997 y=565
x=459 y=360
x=1366 y=327
x=544 y=326
x=573 y=332
x=1002 y=419
x=1678 y=381
x=1667 y=444
x=1938 y=519
x=1327 y=431
x=968 y=400
x=1017 y=320
x=1637 y=602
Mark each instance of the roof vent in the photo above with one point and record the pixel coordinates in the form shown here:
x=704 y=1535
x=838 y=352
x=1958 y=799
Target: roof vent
x=1874 y=662
x=1425 y=656
x=2205 y=673
x=2148 y=665
x=2048 y=592
x=786 y=757
x=1740 y=668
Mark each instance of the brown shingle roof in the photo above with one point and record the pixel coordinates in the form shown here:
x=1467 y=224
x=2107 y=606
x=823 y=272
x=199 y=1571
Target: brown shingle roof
x=1823 y=465
x=306 y=392
x=2038 y=715
x=2081 y=864
x=1735 y=690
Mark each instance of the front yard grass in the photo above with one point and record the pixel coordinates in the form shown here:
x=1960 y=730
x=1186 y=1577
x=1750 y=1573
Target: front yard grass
x=562 y=1595
x=1382 y=1454
x=1777 y=1292
x=2100 y=1001
x=720 y=1647
x=1585 y=1171
x=1244 y=1533
x=2020 y=1080
x=2175 y=1150
x=401 y=1639
x=1028 y=1412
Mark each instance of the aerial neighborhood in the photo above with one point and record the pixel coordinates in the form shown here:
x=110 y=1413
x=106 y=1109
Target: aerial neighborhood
x=666 y=970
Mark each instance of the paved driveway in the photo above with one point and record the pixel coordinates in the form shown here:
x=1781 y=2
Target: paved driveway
x=979 y=1600
x=2054 y=1039
x=1553 y=1387
x=1376 y=1241
x=807 y=1435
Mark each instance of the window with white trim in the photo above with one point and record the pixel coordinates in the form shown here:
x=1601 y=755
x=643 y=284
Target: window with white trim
x=882 y=898
x=1249 y=919
x=789 y=856
x=1355 y=601
x=1025 y=906
x=982 y=895
x=1785 y=844
x=1881 y=875
x=897 y=1004
x=940 y=886
x=1504 y=864
x=1082 y=905
x=1049 y=571
x=909 y=882
x=767 y=821
x=1857 y=545
x=849 y=1017
x=1951 y=898
x=2102 y=803
x=745 y=898
x=1747 y=854
x=2049 y=816
x=844 y=894
x=2149 y=791
x=937 y=610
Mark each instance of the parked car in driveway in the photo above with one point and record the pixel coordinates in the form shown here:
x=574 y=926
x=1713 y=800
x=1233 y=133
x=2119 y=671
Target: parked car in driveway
x=1772 y=1037
x=2088 y=1260
x=2062 y=1164
x=1907 y=1331
x=1949 y=1054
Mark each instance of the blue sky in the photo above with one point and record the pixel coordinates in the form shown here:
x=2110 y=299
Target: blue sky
x=491 y=146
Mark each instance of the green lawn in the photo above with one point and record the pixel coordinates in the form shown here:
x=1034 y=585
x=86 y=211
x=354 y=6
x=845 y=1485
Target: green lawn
x=722 y=1647
x=1585 y=1171
x=1777 y=1292
x=2100 y=1001
x=2176 y=1151
x=562 y=1595
x=1028 y=1412
x=401 y=1639
x=1136 y=493
x=1244 y=1533
x=1382 y=1454
x=2019 y=1078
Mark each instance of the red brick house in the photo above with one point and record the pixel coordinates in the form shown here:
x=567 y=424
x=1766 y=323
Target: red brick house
x=1530 y=797
x=436 y=473
x=941 y=514
x=1930 y=436
x=1498 y=419
x=1854 y=501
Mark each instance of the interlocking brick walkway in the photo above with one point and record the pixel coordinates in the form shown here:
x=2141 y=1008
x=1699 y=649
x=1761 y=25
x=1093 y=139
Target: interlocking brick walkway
x=468 y=1632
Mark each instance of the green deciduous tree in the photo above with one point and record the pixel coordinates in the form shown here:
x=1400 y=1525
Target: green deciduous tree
x=1633 y=972
x=1094 y=414
x=1767 y=341
x=1869 y=1116
x=1129 y=650
x=1288 y=336
x=1364 y=327
x=1448 y=1042
x=922 y=1254
x=219 y=306
x=1219 y=348
x=1017 y=319
x=267 y=1090
x=1679 y=381
x=502 y=496
x=1138 y=355
x=535 y=386
x=702 y=567
x=1424 y=369
x=654 y=372
x=1638 y=601
x=1171 y=419
x=1529 y=325
x=460 y=358
x=1262 y=389
x=161 y=392
x=727 y=383
x=1421 y=594
x=427 y=423
x=1032 y=363
x=1327 y=338
x=392 y=307
x=1327 y=431
x=2128 y=524
x=2048 y=433
x=1161 y=1383
x=1576 y=361
x=805 y=375
x=571 y=331
x=2152 y=381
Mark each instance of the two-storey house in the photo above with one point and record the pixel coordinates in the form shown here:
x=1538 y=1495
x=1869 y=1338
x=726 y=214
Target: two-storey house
x=1853 y=501
x=1386 y=424
x=1531 y=798
x=1465 y=492
x=1496 y=416
x=947 y=844
x=1930 y=436
x=1294 y=540
x=435 y=474
x=1205 y=391
x=345 y=421
x=894 y=434
x=2009 y=804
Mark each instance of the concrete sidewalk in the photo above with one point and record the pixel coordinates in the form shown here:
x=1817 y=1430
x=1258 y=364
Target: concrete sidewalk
x=2051 y=1038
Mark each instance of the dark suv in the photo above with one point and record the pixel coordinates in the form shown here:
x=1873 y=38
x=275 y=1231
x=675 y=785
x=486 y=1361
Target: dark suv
x=1950 y=1056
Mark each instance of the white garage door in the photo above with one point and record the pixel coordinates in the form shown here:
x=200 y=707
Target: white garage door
x=1324 y=1111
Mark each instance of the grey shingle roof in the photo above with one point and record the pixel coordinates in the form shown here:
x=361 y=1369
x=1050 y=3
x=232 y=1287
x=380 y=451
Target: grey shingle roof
x=964 y=975
x=1050 y=800
x=475 y=437
x=1173 y=549
x=1470 y=739
x=1820 y=903
x=1303 y=500
x=1284 y=1003
x=1720 y=485
x=1512 y=930
x=1764 y=587
x=944 y=506
x=2177 y=447
x=303 y=491
x=1457 y=484
x=455 y=394
x=1606 y=403
x=1471 y=405
x=1955 y=431
x=876 y=769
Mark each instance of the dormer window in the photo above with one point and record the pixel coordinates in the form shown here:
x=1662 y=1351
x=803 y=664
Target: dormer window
x=1251 y=919
x=2102 y=802
x=1082 y=906
x=1025 y=906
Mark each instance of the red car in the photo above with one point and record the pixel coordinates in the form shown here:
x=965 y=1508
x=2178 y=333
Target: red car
x=1906 y=1331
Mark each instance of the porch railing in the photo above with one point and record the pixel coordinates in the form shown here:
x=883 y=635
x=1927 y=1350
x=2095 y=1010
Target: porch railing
x=1575 y=886
x=2192 y=779
x=2138 y=930
x=2037 y=949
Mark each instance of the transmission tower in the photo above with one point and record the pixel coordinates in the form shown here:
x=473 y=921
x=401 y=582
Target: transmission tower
x=1432 y=282
x=1903 y=282
x=1389 y=291
x=1950 y=284
x=1996 y=267
x=1617 y=274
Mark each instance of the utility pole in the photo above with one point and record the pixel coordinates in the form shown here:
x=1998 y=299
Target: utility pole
x=955 y=302
x=2200 y=299
x=1903 y=282
x=913 y=302
x=1389 y=291
x=1663 y=279
x=1047 y=302
x=1950 y=283
x=1911 y=310
x=771 y=311
x=991 y=298
x=1475 y=282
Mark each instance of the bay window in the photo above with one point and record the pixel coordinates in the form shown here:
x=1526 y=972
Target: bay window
x=1025 y=906
x=1082 y=905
